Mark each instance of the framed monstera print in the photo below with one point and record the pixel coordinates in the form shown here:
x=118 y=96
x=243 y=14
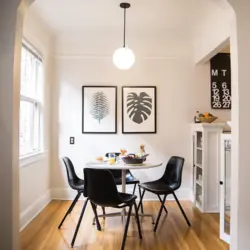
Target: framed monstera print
x=138 y=109
x=99 y=109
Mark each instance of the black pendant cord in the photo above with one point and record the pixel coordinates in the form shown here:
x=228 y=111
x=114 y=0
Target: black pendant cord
x=124 y=29
x=124 y=6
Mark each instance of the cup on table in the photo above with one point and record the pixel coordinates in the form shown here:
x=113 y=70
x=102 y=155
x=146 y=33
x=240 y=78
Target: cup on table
x=112 y=158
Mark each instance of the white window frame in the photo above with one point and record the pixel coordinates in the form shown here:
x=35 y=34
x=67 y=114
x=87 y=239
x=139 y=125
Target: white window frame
x=37 y=102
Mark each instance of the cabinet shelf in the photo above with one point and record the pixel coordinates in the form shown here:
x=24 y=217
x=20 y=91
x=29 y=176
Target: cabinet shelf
x=199 y=205
x=198 y=165
x=199 y=183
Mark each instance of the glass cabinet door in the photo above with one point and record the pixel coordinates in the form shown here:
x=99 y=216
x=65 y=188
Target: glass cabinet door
x=225 y=190
x=194 y=172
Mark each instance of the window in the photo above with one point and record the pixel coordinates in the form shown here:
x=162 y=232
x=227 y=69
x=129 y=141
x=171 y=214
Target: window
x=31 y=94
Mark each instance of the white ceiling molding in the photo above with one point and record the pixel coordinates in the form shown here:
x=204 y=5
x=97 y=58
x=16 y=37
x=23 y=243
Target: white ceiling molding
x=109 y=57
x=147 y=15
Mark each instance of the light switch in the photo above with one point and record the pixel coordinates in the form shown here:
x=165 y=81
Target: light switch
x=71 y=140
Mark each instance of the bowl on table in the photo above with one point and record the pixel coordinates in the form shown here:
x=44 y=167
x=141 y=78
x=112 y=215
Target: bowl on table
x=209 y=119
x=132 y=159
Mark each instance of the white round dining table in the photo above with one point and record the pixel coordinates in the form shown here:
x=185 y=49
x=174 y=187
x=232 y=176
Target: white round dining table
x=123 y=167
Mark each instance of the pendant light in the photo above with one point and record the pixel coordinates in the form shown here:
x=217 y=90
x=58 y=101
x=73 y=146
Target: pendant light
x=124 y=57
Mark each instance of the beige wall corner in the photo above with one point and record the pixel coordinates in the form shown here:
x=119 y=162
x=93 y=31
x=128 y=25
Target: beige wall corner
x=10 y=40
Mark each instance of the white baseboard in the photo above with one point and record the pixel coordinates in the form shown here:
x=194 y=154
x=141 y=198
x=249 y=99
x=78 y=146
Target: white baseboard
x=64 y=194
x=69 y=194
x=34 y=209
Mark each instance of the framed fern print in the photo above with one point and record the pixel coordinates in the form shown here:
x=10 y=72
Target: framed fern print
x=99 y=109
x=138 y=109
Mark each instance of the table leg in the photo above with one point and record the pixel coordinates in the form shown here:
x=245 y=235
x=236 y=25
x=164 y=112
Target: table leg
x=124 y=180
x=124 y=191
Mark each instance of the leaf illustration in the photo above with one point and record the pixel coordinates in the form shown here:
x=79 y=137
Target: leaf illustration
x=139 y=107
x=99 y=106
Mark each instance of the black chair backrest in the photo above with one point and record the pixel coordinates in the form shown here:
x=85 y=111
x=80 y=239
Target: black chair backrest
x=115 y=173
x=100 y=187
x=71 y=174
x=173 y=172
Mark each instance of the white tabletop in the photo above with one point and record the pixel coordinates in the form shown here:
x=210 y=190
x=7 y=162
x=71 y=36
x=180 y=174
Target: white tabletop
x=122 y=166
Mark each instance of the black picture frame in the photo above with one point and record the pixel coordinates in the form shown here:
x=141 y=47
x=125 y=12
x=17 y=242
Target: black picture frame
x=153 y=111
x=113 y=105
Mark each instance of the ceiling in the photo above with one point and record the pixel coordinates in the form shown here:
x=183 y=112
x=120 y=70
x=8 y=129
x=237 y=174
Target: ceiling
x=76 y=15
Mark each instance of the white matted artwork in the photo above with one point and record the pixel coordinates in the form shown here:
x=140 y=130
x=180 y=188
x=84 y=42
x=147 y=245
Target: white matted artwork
x=138 y=109
x=99 y=109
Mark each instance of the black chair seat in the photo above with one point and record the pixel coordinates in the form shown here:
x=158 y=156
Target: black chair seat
x=130 y=179
x=157 y=187
x=127 y=198
x=77 y=185
x=124 y=200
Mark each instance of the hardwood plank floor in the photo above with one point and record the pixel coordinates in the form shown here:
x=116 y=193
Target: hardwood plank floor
x=173 y=232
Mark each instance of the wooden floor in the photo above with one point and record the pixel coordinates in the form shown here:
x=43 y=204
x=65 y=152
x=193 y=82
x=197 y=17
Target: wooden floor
x=173 y=232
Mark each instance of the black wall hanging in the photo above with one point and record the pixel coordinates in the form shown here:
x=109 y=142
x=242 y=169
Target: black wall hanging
x=139 y=110
x=99 y=109
x=221 y=81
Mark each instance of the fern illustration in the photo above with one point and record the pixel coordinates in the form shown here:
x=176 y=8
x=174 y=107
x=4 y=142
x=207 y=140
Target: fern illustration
x=99 y=106
x=139 y=106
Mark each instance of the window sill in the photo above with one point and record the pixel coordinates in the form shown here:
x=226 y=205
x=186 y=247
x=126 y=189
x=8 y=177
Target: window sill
x=32 y=158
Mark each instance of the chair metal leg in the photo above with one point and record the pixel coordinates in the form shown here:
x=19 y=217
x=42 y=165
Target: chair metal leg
x=165 y=209
x=134 y=188
x=183 y=213
x=96 y=217
x=159 y=215
x=79 y=222
x=137 y=220
x=75 y=201
x=126 y=228
x=141 y=197
x=70 y=209
x=103 y=211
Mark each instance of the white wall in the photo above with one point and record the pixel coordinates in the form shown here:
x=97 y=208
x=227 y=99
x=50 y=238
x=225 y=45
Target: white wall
x=10 y=39
x=240 y=41
x=161 y=62
x=212 y=30
x=211 y=35
x=35 y=176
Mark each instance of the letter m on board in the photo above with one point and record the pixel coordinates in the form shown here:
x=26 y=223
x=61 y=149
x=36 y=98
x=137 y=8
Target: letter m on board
x=215 y=72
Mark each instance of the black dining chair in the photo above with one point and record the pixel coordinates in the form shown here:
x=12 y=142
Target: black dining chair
x=77 y=184
x=74 y=182
x=167 y=184
x=130 y=179
x=101 y=190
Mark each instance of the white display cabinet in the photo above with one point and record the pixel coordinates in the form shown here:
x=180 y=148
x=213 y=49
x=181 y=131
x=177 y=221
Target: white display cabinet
x=206 y=142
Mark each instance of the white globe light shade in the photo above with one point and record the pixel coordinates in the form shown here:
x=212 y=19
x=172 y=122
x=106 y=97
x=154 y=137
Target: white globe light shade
x=123 y=58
